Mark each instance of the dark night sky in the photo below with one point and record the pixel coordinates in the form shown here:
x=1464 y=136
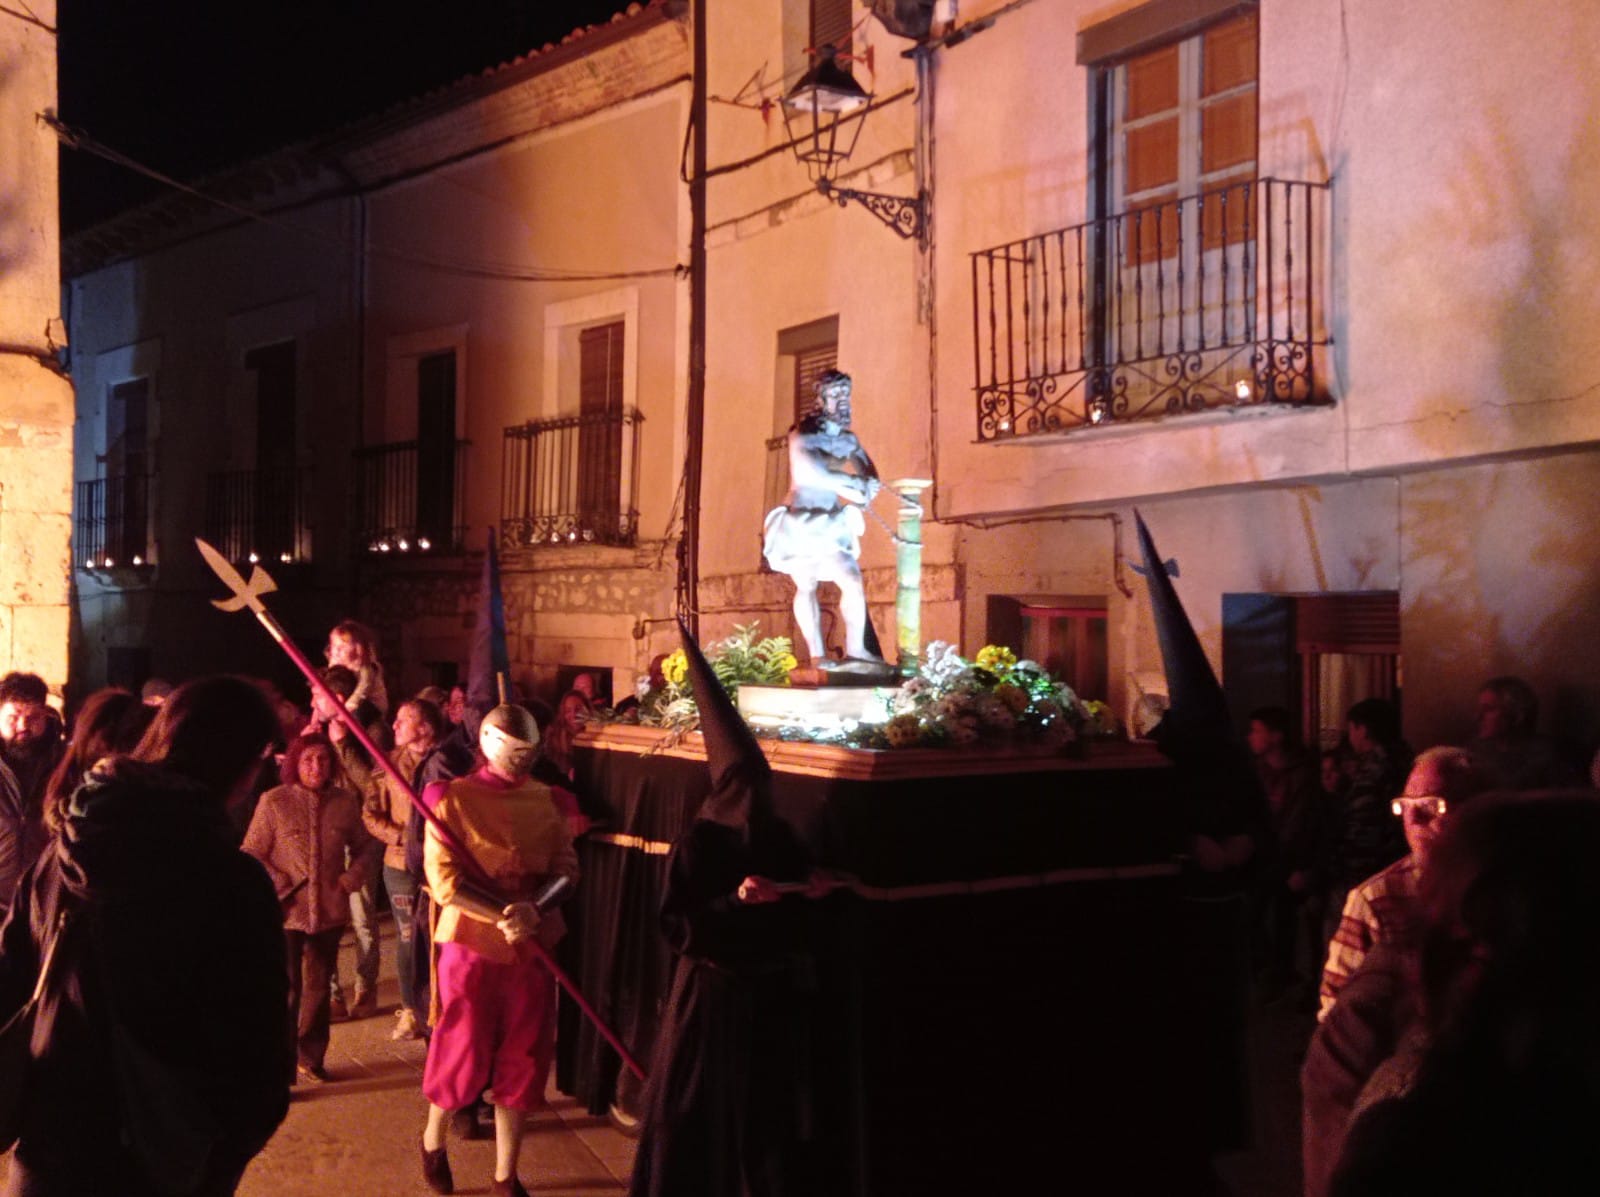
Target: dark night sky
x=189 y=85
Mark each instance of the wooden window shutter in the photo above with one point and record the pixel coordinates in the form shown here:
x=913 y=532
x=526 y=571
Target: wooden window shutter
x=809 y=365
x=830 y=25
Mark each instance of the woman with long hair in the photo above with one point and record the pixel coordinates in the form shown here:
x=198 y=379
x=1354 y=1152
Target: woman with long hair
x=572 y=712
x=136 y=1023
x=307 y=834
x=110 y=721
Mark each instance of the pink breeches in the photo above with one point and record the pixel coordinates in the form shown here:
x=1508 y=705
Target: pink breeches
x=496 y=1030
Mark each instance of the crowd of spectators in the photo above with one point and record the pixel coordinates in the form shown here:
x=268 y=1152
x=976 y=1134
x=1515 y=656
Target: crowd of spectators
x=294 y=788
x=1371 y=859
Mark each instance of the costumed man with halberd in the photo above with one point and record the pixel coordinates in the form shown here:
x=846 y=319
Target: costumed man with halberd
x=497 y=999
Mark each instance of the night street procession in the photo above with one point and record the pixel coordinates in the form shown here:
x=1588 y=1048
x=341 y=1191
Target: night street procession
x=799 y=598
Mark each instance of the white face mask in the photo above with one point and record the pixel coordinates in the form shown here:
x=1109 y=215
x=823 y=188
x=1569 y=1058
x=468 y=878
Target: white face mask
x=504 y=752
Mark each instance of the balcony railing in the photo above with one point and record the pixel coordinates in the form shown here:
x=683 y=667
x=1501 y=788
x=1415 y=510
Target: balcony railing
x=571 y=480
x=1208 y=301
x=409 y=497
x=259 y=515
x=113 y=522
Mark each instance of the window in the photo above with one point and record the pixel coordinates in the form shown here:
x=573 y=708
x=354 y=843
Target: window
x=831 y=25
x=570 y=476
x=113 y=524
x=437 y=492
x=259 y=514
x=1315 y=654
x=1183 y=123
x=600 y=427
x=809 y=25
x=410 y=487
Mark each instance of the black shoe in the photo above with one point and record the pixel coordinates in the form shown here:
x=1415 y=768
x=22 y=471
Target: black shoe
x=507 y=1188
x=436 y=1171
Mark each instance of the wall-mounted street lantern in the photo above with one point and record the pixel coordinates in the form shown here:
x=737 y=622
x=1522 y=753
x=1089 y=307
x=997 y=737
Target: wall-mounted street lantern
x=821 y=101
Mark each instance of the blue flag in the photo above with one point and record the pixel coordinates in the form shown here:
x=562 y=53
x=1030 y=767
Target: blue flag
x=489 y=653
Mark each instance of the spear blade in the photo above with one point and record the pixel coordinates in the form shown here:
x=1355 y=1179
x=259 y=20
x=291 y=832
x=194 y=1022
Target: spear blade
x=245 y=594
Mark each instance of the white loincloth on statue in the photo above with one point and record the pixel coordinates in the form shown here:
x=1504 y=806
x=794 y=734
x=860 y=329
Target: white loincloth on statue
x=802 y=536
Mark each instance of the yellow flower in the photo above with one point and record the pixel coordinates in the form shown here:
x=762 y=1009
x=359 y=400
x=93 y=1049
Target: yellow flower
x=903 y=731
x=675 y=668
x=786 y=662
x=996 y=658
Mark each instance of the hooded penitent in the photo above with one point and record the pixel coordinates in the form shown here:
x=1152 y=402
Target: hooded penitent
x=1196 y=732
x=1195 y=701
x=741 y=778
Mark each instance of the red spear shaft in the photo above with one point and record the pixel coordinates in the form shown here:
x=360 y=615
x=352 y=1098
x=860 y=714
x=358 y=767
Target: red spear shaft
x=248 y=594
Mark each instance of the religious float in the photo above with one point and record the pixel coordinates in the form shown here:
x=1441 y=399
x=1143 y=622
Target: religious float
x=1004 y=975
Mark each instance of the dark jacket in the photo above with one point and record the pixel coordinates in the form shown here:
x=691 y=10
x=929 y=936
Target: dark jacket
x=20 y=834
x=173 y=934
x=454 y=756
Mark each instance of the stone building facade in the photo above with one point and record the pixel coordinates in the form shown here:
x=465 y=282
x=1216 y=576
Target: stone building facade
x=35 y=397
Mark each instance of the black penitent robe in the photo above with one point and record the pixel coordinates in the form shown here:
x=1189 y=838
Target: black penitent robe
x=726 y=1109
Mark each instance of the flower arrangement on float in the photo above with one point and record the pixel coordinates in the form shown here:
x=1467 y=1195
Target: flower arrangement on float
x=744 y=658
x=993 y=697
x=948 y=701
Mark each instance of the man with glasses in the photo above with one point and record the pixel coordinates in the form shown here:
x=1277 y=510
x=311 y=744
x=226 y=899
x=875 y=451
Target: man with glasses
x=1382 y=909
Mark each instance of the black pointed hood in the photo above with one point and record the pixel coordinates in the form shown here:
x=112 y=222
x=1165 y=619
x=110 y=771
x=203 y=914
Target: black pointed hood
x=741 y=778
x=1196 y=703
x=1196 y=733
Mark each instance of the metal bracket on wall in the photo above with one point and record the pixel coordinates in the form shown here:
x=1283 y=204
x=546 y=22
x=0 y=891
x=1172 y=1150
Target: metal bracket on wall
x=906 y=215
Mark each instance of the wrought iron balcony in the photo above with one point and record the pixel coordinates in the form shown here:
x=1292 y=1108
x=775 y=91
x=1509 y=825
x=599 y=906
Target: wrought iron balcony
x=112 y=522
x=571 y=480
x=1206 y=301
x=409 y=498
x=260 y=515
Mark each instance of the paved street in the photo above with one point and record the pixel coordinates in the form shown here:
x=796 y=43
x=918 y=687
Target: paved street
x=359 y=1134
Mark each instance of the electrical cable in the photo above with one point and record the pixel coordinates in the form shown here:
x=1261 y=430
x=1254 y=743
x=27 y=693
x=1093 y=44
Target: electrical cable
x=79 y=140
x=28 y=17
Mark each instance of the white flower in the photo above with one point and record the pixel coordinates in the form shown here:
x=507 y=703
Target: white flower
x=941 y=664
